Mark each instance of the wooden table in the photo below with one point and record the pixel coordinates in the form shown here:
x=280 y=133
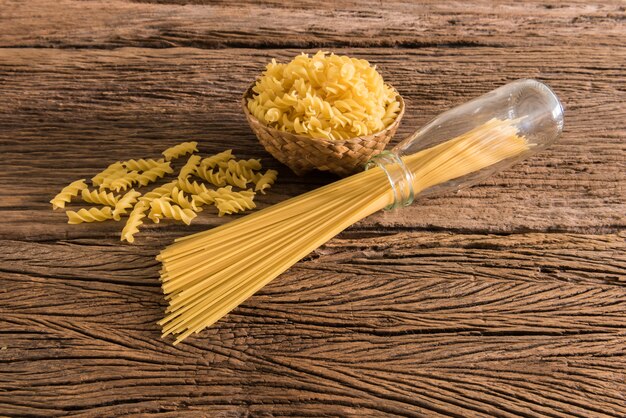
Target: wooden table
x=505 y=299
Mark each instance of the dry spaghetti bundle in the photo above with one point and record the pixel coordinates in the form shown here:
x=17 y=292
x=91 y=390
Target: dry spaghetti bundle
x=206 y=275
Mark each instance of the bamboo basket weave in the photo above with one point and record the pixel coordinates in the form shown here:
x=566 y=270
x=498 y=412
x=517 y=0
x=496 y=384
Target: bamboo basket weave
x=302 y=153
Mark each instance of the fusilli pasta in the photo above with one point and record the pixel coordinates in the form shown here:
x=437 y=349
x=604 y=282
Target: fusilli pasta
x=265 y=181
x=162 y=208
x=190 y=167
x=121 y=173
x=216 y=178
x=234 y=179
x=241 y=168
x=178 y=196
x=236 y=202
x=123 y=182
x=141 y=164
x=89 y=215
x=180 y=150
x=149 y=176
x=212 y=160
x=159 y=191
x=126 y=202
x=191 y=187
x=107 y=172
x=134 y=221
x=99 y=196
x=209 y=196
x=324 y=96
x=67 y=193
x=179 y=199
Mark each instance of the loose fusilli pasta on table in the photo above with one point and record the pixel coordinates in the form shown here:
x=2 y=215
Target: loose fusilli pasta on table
x=179 y=199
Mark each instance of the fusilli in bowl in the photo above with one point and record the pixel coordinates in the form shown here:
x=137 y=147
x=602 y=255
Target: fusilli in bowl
x=303 y=153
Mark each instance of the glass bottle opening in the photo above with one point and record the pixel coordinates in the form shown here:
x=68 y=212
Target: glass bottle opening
x=399 y=176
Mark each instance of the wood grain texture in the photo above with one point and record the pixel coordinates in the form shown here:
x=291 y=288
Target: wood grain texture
x=408 y=324
x=209 y=24
x=506 y=299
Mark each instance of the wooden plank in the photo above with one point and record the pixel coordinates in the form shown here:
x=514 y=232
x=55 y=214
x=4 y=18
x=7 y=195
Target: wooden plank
x=66 y=114
x=116 y=23
x=408 y=324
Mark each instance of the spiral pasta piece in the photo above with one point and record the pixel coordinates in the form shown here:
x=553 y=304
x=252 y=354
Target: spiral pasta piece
x=107 y=172
x=180 y=150
x=150 y=176
x=190 y=167
x=241 y=168
x=209 y=196
x=236 y=202
x=142 y=164
x=251 y=164
x=265 y=181
x=100 y=197
x=213 y=160
x=117 y=175
x=192 y=187
x=126 y=202
x=159 y=191
x=134 y=222
x=89 y=215
x=178 y=197
x=234 y=179
x=67 y=193
x=216 y=178
x=121 y=183
x=162 y=208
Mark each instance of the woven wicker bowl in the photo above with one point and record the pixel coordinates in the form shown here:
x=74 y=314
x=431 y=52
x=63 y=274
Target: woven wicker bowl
x=302 y=153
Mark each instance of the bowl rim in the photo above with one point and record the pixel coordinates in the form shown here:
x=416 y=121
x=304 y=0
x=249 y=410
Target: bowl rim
x=248 y=93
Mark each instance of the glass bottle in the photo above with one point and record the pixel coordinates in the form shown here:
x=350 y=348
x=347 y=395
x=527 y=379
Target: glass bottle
x=531 y=107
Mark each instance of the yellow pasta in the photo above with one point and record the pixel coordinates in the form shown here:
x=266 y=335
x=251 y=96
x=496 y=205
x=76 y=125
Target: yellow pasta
x=159 y=191
x=241 y=168
x=123 y=182
x=107 y=172
x=206 y=275
x=118 y=175
x=213 y=160
x=324 y=96
x=235 y=202
x=190 y=167
x=234 y=179
x=265 y=181
x=153 y=174
x=141 y=164
x=126 y=202
x=134 y=221
x=178 y=197
x=247 y=165
x=216 y=178
x=99 y=196
x=252 y=164
x=162 y=208
x=67 y=193
x=89 y=215
x=208 y=197
x=180 y=150
x=191 y=187
x=225 y=193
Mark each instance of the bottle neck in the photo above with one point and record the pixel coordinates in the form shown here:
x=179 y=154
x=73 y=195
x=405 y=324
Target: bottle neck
x=399 y=176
